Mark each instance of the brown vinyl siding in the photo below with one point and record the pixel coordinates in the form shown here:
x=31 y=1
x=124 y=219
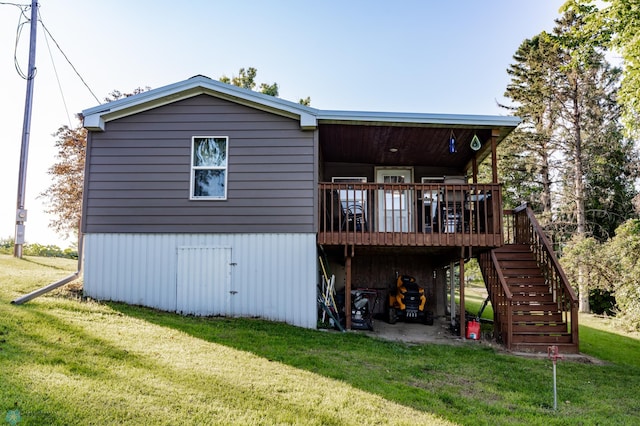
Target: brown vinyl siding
x=138 y=172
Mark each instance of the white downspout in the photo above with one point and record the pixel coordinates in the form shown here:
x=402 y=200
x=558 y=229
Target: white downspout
x=53 y=286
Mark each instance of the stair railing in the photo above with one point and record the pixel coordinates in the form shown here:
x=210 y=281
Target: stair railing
x=507 y=303
x=500 y=296
x=528 y=231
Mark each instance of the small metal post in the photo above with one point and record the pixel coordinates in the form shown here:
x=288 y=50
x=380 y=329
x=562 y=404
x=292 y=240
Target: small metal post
x=554 y=355
x=555 y=388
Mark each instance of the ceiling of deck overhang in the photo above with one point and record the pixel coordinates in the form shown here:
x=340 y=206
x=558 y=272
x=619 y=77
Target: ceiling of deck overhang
x=416 y=145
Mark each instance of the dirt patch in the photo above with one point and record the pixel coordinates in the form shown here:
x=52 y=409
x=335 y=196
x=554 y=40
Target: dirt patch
x=439 y=333
x=415 y=332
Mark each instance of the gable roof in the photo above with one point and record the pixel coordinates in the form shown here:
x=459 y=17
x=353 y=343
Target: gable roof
x=96 y=117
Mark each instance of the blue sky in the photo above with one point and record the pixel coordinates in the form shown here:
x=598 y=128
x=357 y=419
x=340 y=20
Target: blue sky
x=407 y=56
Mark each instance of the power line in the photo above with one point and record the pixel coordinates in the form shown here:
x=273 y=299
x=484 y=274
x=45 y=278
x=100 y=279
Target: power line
x=55 y=71
x=21 y=6
x=21 y=24
x=68 y=61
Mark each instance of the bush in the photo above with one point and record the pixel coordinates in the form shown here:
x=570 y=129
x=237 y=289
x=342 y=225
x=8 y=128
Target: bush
x=602 y=302
x=623 y=252
x=7 y=244
x=611 y=268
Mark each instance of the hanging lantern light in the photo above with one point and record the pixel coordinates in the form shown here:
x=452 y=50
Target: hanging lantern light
x=452 y=142
x=475 y=143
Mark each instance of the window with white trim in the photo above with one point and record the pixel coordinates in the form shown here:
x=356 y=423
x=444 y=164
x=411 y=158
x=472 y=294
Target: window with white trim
x=209 y=167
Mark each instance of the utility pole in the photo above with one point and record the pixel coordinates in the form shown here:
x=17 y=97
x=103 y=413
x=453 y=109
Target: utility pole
x=21 y=212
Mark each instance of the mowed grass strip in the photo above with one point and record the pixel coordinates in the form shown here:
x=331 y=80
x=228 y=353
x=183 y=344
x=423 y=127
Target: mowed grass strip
x=70 y=361
x=109 y=367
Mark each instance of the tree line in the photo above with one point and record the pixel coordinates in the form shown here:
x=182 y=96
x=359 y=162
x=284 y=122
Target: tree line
x=573 y=159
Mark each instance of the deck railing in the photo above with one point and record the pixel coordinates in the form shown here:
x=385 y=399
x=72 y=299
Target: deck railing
x=410 y=214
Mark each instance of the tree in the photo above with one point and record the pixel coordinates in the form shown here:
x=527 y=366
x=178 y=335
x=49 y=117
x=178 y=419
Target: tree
x=306 y=101
x=64 y=195
x=610 y=171
x=116 y=94
x=624 y=16
x=65 y=192
x=618 y=25
x=570 y=145
x=246 y=79
x=527 y=156
x=623 y=257
x=611 y=267
x=589 y=118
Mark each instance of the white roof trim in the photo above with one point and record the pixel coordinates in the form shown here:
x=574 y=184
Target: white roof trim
x=418 y=118
x=96 y=117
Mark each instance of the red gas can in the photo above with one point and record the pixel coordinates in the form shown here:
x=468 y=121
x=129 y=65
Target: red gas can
x=473 y=330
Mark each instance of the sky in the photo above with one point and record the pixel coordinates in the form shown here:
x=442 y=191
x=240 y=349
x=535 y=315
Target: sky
x=425 y=56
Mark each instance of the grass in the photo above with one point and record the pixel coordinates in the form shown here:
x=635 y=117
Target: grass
x=474 y=296
x=64 y=360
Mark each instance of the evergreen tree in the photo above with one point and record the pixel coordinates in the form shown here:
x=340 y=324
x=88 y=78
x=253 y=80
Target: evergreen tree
x=570 y=146
x=527 y=157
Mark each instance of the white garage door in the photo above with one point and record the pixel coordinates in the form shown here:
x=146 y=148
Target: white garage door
x=204 y=281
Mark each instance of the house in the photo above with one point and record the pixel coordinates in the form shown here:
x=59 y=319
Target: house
x=204 y=198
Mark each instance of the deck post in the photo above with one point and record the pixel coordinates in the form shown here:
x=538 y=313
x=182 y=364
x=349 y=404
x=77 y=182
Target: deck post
x=347 y=287
x=495 y=134
x=463 y=322
x=440 y=292
x=475 y=170
x=452 y=293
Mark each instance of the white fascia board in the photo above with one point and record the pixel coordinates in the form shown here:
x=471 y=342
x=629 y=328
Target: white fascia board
x=96 y=117
x=93 y=122
x=418 y=118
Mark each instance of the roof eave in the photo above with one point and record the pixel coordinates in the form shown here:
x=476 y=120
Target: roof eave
x=95 y=118
x=418 y=119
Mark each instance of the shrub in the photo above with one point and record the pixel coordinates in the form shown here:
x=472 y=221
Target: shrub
x=7 y=245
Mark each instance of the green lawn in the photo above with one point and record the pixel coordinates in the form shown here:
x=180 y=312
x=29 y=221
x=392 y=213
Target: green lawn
x=68 y=361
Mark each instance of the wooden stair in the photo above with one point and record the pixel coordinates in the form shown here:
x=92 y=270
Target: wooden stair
x=537 y=317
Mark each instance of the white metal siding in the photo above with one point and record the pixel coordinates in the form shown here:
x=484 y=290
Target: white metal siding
x=203 y=282
x=273 y=276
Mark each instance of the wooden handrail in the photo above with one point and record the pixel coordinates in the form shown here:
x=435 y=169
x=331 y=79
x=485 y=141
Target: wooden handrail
x=501 y=279
x=508 y=296
x=546 y=244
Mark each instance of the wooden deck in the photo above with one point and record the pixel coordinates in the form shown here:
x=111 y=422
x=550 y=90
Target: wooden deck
x=410 y=215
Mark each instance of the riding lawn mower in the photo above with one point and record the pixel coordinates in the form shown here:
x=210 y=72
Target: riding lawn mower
x=407 y=302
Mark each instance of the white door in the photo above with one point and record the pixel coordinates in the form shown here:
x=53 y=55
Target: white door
x=394 y=205
x=204 y=281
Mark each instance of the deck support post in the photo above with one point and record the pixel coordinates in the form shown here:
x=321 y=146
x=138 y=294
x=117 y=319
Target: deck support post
x=452 y=293
x=463 y=320
x=495 y=134
x=347 y=286
x=474 y=169
x=440 y=292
